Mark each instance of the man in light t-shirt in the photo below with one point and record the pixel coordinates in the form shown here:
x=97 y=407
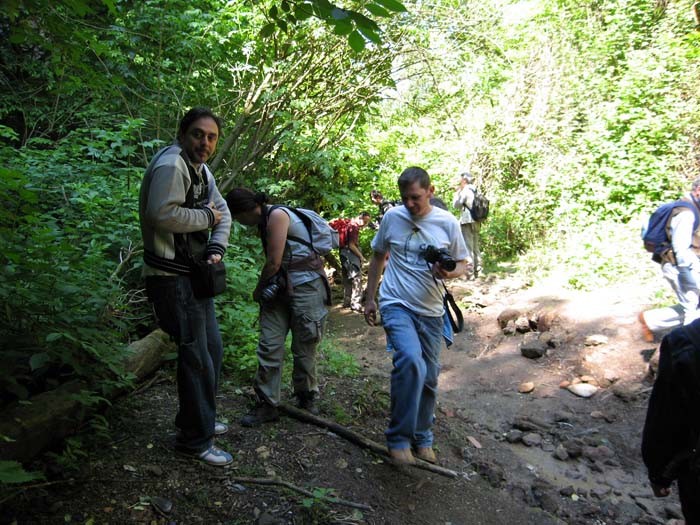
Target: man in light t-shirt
x=411 y=307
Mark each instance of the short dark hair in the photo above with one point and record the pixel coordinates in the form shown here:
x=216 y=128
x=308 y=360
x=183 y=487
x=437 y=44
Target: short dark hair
x=195 y=114
x=414 y=174
x=365 y=214
x=375 y=194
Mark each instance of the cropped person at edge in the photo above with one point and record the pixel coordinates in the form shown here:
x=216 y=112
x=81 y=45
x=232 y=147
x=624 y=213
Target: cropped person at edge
x=411 y=307
x=680 y=268
x=179 y=203
x=299 y=303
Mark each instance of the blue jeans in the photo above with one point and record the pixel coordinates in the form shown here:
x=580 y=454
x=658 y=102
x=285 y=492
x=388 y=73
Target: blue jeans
x=417 y=341
x=192 y=323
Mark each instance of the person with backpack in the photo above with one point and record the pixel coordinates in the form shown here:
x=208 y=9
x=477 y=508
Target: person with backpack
x=293 y=293
x=463 y=201
x=677 y=252
x=671 y=436
x=351 y=258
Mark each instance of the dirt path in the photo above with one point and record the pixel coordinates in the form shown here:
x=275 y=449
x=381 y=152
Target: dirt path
x=543 y=457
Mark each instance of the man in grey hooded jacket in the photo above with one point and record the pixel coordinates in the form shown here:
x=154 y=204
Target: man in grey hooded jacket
x=185 y=219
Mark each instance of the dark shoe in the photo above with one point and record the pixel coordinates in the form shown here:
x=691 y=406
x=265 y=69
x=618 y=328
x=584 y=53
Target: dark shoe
x=211 y=456
x=307 y=401
x=647 y=334
x=220 y=428
x=262 y=413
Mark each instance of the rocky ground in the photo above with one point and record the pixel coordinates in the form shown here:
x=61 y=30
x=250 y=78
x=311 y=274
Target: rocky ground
x=513 y=422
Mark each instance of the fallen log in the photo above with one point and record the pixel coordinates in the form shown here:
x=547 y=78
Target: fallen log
x=34 y=424
x=357 y=439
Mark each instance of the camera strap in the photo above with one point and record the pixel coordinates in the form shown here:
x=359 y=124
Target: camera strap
x=453 y=312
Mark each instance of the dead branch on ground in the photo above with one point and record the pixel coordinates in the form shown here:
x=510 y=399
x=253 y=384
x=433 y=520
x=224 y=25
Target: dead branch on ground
x=307 y=493
x=359 y=440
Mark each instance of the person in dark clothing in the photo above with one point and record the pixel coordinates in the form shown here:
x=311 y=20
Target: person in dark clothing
x=383 y=205
x=672 y=427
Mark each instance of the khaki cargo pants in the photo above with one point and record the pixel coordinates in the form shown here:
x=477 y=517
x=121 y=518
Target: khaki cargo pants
x=305 y=315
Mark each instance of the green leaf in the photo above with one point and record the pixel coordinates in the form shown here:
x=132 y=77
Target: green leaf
x=268 y=30
x=13 y=472
x=302 y=12
x=282 y=25
x=392 y=5
x=38 y=360
x=377 y=10
x=370 y=35
x=362 y=21
x=343 y=27
x=339 y=14
x=53 y=337
x=356 y=41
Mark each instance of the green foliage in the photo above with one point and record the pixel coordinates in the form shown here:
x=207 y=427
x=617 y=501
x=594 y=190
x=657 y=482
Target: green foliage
x=371 y=401
x=358 y=28
x=584 y=258
x=72 y=454
x=320 y=497
x=336 y=361
x=12 y=472
x=63 y=230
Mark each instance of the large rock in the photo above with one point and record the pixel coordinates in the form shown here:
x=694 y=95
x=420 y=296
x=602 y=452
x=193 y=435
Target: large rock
x=582 y=389
x=531 y=346
x=509 y=314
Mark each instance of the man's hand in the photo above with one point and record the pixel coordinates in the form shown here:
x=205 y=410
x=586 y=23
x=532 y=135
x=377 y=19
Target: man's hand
x=217 y=213
x=659 y=491
x=214 y=258
x=438 y=271
x=371 y=312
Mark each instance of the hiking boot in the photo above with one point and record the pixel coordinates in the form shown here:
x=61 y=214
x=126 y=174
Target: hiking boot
x=426 y=454
x=647 y=334
x=261 y=413
x=401 y=456
x=213 y=456
x=307 y=401
x=220 y=428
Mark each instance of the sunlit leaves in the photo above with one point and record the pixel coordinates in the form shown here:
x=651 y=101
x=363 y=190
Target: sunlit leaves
x=392 y=5
x=358 y=27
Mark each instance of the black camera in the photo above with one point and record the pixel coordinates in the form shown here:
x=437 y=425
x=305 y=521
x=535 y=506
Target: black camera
x=439 y=255
x=276 y=284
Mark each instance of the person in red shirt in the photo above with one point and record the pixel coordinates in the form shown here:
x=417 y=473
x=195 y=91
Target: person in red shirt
x=351 y=258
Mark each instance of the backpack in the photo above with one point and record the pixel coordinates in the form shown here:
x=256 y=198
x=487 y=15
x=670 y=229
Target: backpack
x=480 y=207
x=654 y=235
x=323 y=237
x=341 y=226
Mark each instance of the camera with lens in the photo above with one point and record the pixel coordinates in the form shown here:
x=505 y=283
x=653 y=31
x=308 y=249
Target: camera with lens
x=439 y=255
x=274 y=286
